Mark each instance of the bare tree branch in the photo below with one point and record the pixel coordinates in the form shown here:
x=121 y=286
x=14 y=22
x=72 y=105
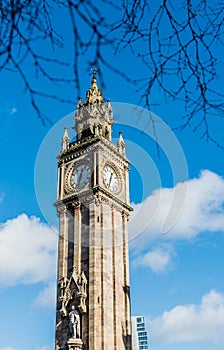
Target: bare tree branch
x=177 y=43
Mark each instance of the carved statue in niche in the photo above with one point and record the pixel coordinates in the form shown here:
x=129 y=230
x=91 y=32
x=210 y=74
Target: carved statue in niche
x=74 y=323
x=73 y=289
x=82 y=282
x=107 y=133
x=81 y=294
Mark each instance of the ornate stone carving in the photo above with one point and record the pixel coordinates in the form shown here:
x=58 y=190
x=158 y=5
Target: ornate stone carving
x=73 y=289
x=74 y=344
x=76 y=205
x=97 y=199
x=94 y=117
x=82 y=293
x=61 y=209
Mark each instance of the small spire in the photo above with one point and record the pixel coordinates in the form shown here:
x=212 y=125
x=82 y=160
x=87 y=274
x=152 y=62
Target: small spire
x=65 y=139
x=94 y=81
x=94 y=95
x=121 y=144
x=93 y=72
x=94 y=117
x=79 y=104
x=109 y=106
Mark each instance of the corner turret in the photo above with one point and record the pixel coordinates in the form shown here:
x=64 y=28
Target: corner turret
x=121 y=144
x=65 y=140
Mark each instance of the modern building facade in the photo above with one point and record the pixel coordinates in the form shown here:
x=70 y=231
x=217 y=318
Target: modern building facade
x=139 y=333
x=93 y=291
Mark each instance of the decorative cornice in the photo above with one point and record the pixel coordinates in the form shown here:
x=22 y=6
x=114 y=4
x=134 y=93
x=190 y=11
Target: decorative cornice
x=80 y=147
x=98 y=195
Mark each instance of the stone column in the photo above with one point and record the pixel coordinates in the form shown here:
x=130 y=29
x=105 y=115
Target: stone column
x=125 y=218
x=119 y=293
x=107 y=296
x=77 y=237
x=94 y=278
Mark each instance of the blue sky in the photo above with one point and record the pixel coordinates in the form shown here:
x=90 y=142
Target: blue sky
x=176 y=273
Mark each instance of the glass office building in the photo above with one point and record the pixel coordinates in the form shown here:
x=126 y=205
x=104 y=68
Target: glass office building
x=139 y=333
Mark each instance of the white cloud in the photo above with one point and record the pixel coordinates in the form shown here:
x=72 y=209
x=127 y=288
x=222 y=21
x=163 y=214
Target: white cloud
x=11 y=111
x=191 y=322
x=2 y=196
x=156 y=259
x=202 y=200
x=47 y=297
x=27 y=251
x=8 y=348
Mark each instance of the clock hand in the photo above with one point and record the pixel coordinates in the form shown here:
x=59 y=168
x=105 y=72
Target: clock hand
x=80 y=176
x=111 y=175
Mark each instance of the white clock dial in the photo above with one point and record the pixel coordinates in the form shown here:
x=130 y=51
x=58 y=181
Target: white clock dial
x=80 y=176
x=110 y=178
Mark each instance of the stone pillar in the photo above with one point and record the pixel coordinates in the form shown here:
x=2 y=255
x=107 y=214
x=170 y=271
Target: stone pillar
x=119 y=293
x=77 y=237
x=126 y=282
x=107 y=296
x=94 y=279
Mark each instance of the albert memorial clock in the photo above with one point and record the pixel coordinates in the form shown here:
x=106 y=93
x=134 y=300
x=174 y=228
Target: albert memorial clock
x=93 y=290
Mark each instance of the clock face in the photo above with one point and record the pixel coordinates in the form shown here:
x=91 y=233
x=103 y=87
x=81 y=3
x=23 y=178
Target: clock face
x=80 y=176
x=110 y=178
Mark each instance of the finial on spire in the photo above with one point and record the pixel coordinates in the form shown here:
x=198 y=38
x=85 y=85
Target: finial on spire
x=94 y=94
x=93 y=71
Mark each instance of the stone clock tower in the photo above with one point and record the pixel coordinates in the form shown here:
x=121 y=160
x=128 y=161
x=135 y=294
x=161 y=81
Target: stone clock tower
x=93 y=291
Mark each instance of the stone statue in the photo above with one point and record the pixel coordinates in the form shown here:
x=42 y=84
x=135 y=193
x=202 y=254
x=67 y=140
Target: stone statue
x=74 y=323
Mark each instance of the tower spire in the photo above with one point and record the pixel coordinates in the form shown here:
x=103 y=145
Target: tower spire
x=94 y=116
x=94 y=95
